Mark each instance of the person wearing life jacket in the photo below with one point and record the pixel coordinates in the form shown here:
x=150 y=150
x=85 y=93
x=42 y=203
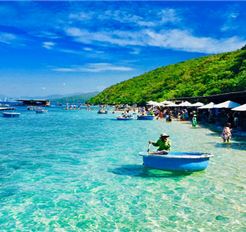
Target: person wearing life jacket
x=162 y=143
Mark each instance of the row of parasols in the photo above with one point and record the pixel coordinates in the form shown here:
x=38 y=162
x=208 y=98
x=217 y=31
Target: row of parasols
x=199 y=105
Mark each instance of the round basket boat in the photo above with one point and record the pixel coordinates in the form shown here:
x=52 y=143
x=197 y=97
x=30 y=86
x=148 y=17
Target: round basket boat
x=145 y=117
x=177 y=161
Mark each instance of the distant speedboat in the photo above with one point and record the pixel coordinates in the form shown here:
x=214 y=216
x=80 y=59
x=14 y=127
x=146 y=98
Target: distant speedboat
x=177 y=161
x=124 y=118
x=145 y=117
x=31 y=108
x=102 y=112
x=11 y=114
x=41 y=111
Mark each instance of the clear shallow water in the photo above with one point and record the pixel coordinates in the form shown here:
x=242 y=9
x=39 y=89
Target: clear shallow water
x=79 y=171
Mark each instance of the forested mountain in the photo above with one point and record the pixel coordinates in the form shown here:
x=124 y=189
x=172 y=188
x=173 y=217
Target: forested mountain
x=203 y=76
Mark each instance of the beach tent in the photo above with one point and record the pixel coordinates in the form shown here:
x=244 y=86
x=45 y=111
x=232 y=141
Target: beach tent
x=197 y=104
x=185 y=104
x=208 y=106
x=240 y=108
x=227 y=105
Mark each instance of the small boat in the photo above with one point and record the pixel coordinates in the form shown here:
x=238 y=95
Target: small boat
x=177 y=161
x=11 y=114
x=6 y=108
x=102 y=112
x=145 y=117
x=124 y=118
x=41 y=111
x=31 y=108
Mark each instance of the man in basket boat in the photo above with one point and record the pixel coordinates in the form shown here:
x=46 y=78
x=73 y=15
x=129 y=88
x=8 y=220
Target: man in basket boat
x=162 y=143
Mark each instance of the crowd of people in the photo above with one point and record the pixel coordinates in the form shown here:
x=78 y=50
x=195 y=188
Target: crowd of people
x=224 y=118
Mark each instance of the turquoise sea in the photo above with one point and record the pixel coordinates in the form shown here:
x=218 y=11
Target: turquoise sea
x=79 y=171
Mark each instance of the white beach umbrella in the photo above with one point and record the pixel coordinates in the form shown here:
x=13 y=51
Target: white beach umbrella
x=185 y=104
x=240 y=108
x=197 y=104
x=166 y=102
x=157 y=104
x=227 y=105
x=160 y=104
x=172 y=105
x=208 y=106
x=152 y=103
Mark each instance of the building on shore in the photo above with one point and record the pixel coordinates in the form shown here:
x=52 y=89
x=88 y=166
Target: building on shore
x=35 y=102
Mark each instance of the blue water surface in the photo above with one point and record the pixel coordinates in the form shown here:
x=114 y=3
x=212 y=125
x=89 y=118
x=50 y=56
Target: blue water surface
x=80 y=171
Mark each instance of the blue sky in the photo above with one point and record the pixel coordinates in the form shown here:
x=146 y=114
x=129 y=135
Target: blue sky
x=73 y=47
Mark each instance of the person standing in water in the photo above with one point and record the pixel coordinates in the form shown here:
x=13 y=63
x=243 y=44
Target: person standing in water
x=162 y=143
x=226 y=134
x=194 y=120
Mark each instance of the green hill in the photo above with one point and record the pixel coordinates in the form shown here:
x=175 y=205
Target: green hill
x=81 y=98
x=203 y=76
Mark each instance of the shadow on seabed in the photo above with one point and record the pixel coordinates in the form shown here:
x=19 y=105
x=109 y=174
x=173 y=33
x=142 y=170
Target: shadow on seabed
x=141 y=171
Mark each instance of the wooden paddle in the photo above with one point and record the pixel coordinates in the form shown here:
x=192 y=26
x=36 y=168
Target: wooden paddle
x=148 y=147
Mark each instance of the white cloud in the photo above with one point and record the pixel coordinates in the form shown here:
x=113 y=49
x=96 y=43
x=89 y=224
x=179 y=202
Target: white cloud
x=169 y=15
x=126 y=17
x=234 y=15
x=65 y=69
x=70 y=51
x=230 y=22
x=99 y=67
x=80 y=16
x=135 y=51
x=48 y=45
x=46 y=34
x=120 y=38
x=94 y=67
x=7 y=38
x=87 y=49
x=171 y=39
x=184 y=40
x=152 y=18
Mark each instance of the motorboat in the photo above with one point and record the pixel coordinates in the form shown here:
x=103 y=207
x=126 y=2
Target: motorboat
x=11 y=114
x=125 y=117
x=102 y=112
x=41 y=111
x=145 y=117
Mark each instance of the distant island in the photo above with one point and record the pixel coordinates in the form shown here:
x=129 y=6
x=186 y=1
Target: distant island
x=203 y=76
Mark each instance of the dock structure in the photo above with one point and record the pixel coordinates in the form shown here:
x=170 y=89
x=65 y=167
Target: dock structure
x=35 y=102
